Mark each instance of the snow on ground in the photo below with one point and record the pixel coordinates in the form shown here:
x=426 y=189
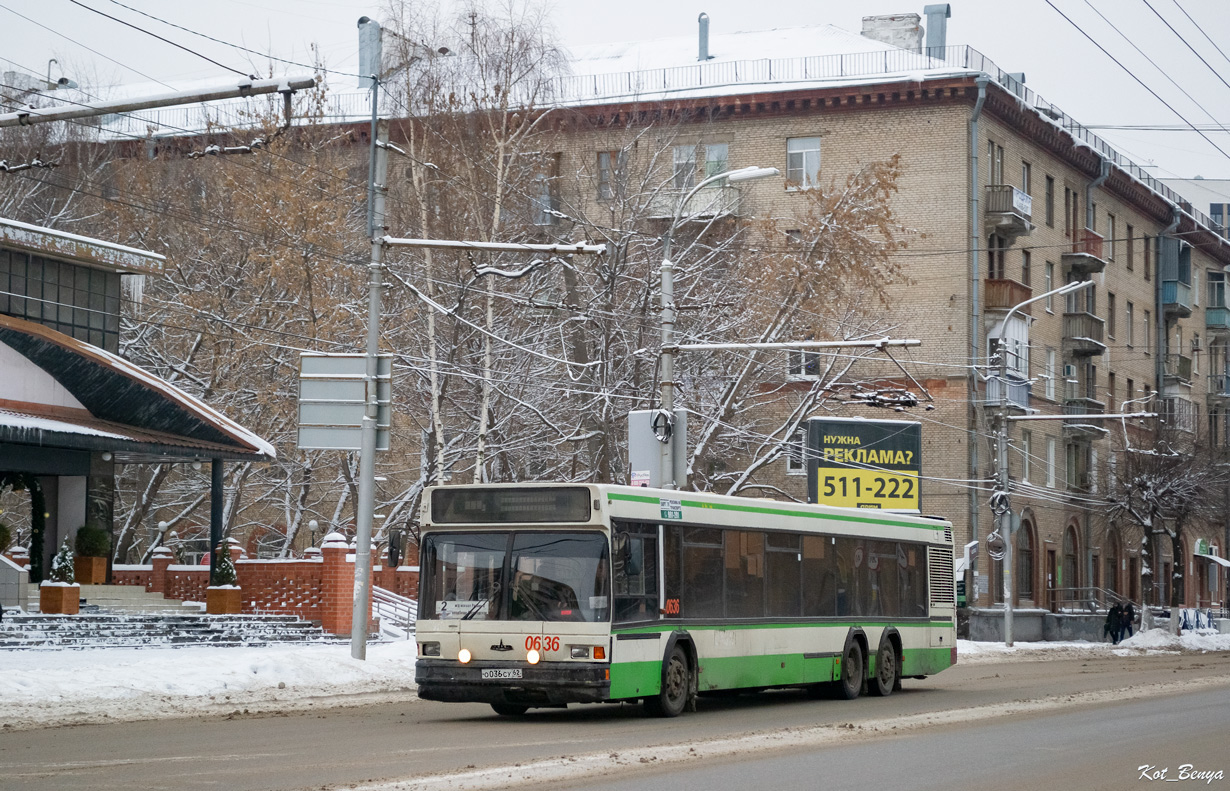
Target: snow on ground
x=59 y=687
x=48 y=687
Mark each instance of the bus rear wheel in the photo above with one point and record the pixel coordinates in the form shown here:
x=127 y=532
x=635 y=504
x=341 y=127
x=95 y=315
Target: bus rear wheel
x=887 y=672
x=675 y=684
x=509 y=709
x=852 y=669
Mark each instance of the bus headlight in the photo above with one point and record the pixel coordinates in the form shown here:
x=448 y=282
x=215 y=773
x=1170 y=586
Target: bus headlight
x=463 y=656
x=431 y=649
x=580 y=652
x=533 y=656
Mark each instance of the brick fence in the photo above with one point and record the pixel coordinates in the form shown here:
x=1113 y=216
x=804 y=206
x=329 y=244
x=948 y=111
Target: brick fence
x=317 y=587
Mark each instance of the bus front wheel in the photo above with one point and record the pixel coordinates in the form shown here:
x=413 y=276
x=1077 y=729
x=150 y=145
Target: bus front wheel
x=851 y=683
x=676 y=681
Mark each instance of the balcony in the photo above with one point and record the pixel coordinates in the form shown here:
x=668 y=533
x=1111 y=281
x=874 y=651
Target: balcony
x=1178 y=369
x=1018 y=391
x=716 y=200
x=1082 y=334
x=1176 y=298
x=1219 y=389
x=1217 y=320
x=1080 y=404
x=1086 y=255
x=1009 y=211
x=1007 y=294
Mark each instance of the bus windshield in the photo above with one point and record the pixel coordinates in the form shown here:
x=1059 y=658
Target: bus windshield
x=516 y=576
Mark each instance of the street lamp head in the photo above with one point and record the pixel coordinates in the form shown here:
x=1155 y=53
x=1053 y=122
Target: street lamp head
x=751 y=172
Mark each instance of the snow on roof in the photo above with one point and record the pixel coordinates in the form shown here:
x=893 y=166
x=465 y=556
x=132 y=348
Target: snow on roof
x=79 y=248
x=792 y=42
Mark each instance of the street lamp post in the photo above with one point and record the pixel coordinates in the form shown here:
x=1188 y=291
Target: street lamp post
x=1000 y=502
x=666 y=382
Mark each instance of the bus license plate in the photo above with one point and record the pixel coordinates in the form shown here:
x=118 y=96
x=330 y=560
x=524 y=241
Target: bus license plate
x=502 y=673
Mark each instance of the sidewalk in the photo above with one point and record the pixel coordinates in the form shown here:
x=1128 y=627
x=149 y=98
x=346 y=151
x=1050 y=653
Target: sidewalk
x=47 y=688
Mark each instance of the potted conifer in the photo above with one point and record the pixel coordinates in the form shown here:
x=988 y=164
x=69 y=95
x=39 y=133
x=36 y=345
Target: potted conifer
x=93 y=544
x=224 y=596
x=60 y=593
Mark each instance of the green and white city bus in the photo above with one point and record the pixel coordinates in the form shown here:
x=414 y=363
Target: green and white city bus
x=540 y=595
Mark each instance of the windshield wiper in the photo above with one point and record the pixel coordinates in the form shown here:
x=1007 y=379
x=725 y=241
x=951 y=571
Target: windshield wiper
x=495 y=588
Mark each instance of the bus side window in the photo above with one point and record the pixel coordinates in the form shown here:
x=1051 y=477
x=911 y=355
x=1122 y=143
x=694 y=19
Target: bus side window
x=634 y=560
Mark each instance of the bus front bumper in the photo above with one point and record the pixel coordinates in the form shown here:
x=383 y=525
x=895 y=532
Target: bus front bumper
x=544 y=684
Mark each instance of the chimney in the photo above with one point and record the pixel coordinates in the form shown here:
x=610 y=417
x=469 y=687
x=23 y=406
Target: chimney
x=703 y=22
x=937 y=28
x=900 y=30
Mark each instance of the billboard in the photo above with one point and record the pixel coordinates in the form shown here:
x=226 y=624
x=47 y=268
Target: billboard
x=857 y=463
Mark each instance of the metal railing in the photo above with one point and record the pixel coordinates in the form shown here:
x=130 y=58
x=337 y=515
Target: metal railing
x=397 y=613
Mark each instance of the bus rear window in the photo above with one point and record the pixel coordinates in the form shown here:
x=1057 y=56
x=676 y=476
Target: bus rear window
x=505 y=506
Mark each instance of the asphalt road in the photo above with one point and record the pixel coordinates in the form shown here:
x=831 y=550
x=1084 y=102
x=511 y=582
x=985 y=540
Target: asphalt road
x=416 y=739
x=1137 y=744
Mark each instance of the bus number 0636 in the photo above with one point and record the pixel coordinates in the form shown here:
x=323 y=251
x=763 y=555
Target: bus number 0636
x=537 y=643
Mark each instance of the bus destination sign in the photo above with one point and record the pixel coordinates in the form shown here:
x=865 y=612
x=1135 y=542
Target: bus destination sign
x=856 y=463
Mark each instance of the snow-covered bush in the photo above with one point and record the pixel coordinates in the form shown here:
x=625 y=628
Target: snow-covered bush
x=224 y=572
x=62 y=565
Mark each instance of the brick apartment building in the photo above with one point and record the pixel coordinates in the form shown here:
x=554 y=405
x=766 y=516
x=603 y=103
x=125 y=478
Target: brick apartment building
x=1012 y=198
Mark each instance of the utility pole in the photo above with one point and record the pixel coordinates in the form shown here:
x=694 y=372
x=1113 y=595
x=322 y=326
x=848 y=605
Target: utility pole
x=369 y=41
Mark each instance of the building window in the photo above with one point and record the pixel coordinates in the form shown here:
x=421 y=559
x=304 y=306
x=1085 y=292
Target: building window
x=1027 y=450
x=1025 y=560
x=796 y=453
x=610 y=174
x=802 y=162
x=1025 y=267
x=1110 y=392
x=544 y=200
x=1131 y=249
x=78 y=301
x=1015 y=346
x=1026 y=178
x=1148 y=256
x=1050 y=374
x=1110 y=315
x=997 y=249
x=995 y=163
x=717 y=158
x=1050 y=201
x=1129 y=323
x=1216 y=294
x=801 y=364
x=1147 y=335
x=1049 y=285
x=685 y=167
x=1050 y=462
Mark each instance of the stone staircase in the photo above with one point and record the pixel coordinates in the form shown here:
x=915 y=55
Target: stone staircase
x=137 y=630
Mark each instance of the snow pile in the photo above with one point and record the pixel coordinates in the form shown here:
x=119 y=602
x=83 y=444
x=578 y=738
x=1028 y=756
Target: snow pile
x=1160 y=640
x=39 y=688
x=1154 y=641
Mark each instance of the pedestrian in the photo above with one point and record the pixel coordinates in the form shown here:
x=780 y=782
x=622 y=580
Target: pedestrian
x=1114 y=622
x=1129 y=615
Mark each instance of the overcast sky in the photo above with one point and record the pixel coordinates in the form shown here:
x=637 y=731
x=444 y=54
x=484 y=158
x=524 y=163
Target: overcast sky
x=1060 y=63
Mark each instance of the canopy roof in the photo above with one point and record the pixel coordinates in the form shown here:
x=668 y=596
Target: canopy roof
x=126 y=411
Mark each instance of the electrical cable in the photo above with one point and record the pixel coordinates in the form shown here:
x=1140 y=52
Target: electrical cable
x=160 y=38
x=1138 y=80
